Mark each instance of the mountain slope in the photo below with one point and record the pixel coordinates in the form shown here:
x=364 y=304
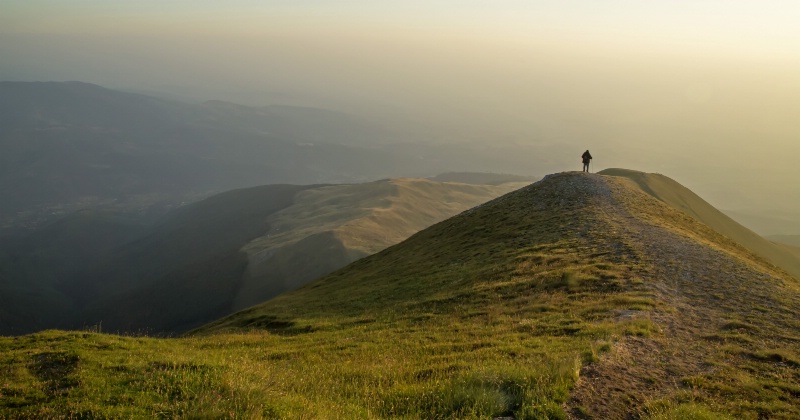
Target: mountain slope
x=243 y=247
x=210 y=258
x=590 y=237
x=31 y=266
x=71 y=145
x=679 y=197
x=184 y=272
x=91 y=267
x=579 y=295
x=328 y=227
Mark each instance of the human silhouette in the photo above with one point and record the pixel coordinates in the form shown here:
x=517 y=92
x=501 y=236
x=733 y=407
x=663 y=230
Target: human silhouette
x=587 y=157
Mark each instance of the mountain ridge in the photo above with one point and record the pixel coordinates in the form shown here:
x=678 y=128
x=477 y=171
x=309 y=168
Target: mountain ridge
x=382 y=213
x=682 y=217
x=676 y=264
x=681 y=198
x=579 y=296
x=73 y=145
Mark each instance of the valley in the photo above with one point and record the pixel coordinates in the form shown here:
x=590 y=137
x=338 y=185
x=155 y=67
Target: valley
x=210 y=258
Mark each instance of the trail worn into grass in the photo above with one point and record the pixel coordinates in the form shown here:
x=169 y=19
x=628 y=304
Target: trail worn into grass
x=579 y=295
x=702 y=282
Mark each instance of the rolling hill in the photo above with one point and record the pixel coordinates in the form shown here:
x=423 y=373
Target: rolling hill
x=210 y=258
x=327 y=228
x=578 y=296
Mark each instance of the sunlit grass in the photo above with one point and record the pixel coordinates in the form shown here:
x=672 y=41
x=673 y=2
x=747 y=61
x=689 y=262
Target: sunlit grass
x=513 y=345
x=493 y=313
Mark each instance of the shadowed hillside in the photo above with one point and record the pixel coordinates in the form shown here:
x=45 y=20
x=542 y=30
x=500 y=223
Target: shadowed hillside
x=577 y=296
x=210 y=258
x=31 y=265
x=679 y=197
x=183 y=273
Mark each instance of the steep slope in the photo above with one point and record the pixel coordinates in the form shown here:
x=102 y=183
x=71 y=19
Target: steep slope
x=579 y=295
x=185 y=271
x=678 y=196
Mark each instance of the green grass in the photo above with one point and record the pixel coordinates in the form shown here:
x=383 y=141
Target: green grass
x=497 y=312
x=497 y=356
x=490 y=321
x=684 y=411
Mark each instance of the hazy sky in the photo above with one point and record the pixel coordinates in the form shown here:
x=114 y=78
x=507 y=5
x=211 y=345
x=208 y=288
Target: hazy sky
x=707 y=92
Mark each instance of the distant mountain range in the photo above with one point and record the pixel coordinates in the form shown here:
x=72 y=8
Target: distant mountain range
x=207 y=259
x=69 y=145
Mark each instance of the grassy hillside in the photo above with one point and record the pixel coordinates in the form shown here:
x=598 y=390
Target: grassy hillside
x=327 y=228
x=678 y=196
x=579 y=295
x=244 y=247
x=185 y=272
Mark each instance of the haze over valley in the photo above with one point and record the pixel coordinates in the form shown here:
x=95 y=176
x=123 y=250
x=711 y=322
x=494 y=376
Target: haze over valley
x=705 y=93
x=368 y=210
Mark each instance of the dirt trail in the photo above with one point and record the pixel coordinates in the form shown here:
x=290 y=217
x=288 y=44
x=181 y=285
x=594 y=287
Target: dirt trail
x=695 y=286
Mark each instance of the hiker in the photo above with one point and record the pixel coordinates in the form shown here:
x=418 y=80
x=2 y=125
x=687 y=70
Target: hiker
x=587 y=157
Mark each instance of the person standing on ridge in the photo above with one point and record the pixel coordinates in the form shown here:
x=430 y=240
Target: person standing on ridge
x=587 y=157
